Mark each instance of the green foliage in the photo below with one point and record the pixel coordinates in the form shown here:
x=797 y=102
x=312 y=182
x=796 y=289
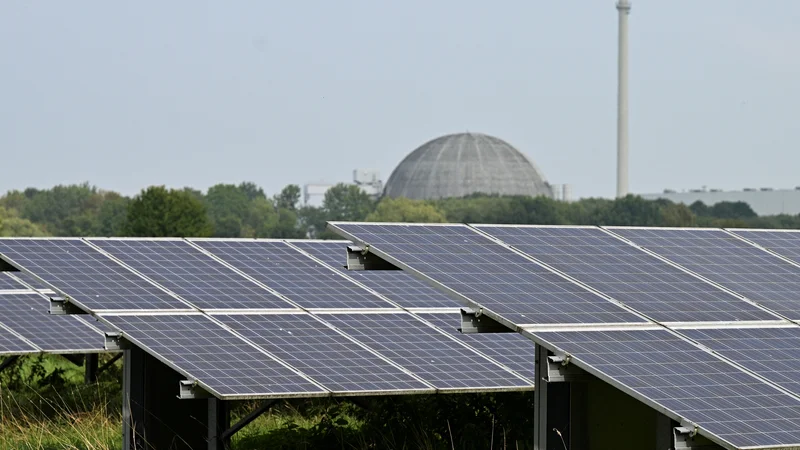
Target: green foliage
x=288 y=198
x=405 y=210
x=158 y=212
x=347 y=202
x=228 y=209
x=11 y=225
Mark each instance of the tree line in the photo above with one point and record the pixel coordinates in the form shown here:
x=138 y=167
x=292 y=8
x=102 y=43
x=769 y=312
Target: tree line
x=245 y=210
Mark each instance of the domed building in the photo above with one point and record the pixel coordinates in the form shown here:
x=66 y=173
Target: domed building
x=461 y=164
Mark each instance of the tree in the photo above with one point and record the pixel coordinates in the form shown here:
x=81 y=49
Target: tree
x=158 y=212
x=732 y=210
x=64 y=210
x=227 y=207
x=347 y=202
x=112 y=215
x=11 y=225
x=405 y=210
x=288 y=198
x=251 y=190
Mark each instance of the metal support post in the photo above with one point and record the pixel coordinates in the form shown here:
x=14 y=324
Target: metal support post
x=90 y=363
x=218 y=422
x=540 y=400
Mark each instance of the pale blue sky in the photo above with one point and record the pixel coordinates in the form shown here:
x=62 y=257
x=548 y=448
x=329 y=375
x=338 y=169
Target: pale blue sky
x=129 y=94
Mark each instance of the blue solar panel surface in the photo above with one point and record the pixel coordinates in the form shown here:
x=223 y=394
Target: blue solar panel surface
x=511 y=349
x=728 y=261
x=625 y=273
x=86 y=275
x=292 y=274
x=213 y=355
x=190 y=273
x=426 y=352
x=487 y=273
x=322 y=353
x=396 y=285
x=28 y=315
x=28 y=279
x=692 y=383
x=10 y=344
x=773 y=353
x=784 y=242
x=8 y=283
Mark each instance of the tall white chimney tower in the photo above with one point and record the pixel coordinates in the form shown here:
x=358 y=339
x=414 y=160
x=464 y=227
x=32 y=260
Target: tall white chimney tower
x=624 y=8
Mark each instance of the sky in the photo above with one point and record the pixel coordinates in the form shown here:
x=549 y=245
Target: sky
x=189 y=93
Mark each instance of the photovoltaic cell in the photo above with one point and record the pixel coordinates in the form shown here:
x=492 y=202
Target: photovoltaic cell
x=8 y=283
x=627 y=274
x=86 y=275
x=292 y=274
x=29 y=279
x=10 y=344
x=511 y=349
x=783 y=242
x=27 y=314
x=424 y=351
x=489 y=274
x=396 y=285
x=773 y=353
x=211 y=354
x=728 y=261
x=721 y=399
x=190 y=273
x=322 y=353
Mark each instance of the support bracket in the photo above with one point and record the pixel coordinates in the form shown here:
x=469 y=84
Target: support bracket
x=60 y=306
x=114 y=341
x=686 y=437
x=189 y=389
x=559 y=370
x=247 y=419
x=474 y=321
x=360 y=258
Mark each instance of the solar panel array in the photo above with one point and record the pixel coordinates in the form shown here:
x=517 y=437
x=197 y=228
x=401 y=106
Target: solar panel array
x=494 y=276
x=784 y=242
x=729 y=262
x=728 y=364
x=251 y=299
x=285 y=318
x=26 y=325
x=93 y=280
x=668 y=371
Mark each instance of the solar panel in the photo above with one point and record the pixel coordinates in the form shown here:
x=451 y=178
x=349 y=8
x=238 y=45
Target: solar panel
x=323 y=354
x=489 y=274
x=196 y=277
x=783 y=242
x=292 y=274
x=89 y=277
x=728 y=261
x=695 y=385
x=11 y=344
x=30 y=280
x=426 y=352
x=8 y=283
x=511 y=349
x=627 y=274
x=220 y=361
x=773 y=353
x=399 y=286
x=27 y=314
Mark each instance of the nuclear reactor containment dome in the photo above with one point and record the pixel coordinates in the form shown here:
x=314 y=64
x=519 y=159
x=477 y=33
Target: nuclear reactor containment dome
x=457 y=165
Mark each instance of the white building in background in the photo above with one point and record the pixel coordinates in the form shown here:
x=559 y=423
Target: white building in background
x=764 y=201
x=369 y=180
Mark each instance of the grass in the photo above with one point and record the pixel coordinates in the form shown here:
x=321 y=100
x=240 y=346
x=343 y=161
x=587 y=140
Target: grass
x=44 y=405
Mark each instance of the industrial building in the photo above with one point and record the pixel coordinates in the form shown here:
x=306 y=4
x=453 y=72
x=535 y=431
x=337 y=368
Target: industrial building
x=764 y=201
